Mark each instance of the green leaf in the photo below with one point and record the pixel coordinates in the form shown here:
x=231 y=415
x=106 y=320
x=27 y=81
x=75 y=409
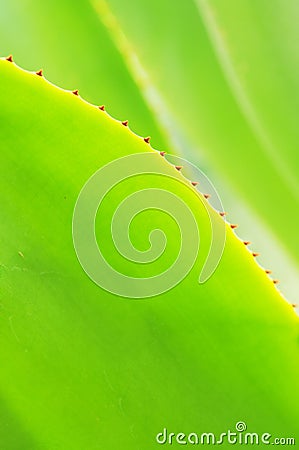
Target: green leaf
x=219 y=91
x=85 y=369
x=75 y=51
x=229 y=89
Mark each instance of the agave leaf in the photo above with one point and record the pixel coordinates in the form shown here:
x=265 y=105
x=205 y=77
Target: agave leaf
x=235 y=106
x=76 y=52
x=87 y=369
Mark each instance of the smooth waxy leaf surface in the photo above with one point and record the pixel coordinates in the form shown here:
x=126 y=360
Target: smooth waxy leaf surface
x=222 y=92
x=84 y=368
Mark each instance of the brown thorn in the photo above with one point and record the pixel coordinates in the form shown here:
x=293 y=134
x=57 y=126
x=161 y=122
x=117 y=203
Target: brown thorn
x=147 y=139
x=178 y=167
x=275 y=281
x=102 y=108
x=254 y=254
x=268 y=271
x=233 y=226
x=75 y=92
x=294 y=305
x=9 y=58
x=39 y=73
x=222 y=213
x=194 y=183
x=162 y=153
x=125 y=123
x=206 y=195
x=246 y=242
